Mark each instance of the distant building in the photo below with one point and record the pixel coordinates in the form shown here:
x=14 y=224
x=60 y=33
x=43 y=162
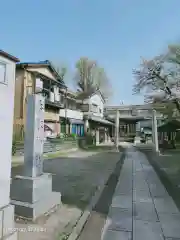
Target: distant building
x=42 y=78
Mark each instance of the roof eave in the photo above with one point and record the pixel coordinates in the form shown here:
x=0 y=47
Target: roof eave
x=9 y=56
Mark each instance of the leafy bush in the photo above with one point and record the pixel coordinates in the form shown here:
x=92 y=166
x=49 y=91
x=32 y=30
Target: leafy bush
x=73 y=135
x=89 y=139
x=86 y=141
x=61 y=135
x=14 y=143
x=70 y=137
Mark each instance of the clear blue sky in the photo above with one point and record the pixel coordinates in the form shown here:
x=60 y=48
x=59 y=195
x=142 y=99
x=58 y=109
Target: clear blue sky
x=113 y=32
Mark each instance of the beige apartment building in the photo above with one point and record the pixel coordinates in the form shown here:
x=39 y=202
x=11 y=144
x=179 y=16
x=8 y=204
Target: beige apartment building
x=42 y=78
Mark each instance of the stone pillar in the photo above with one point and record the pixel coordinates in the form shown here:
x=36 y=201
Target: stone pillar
x=128 y=129
x=32 y=193
x=97 y=136
x=67 y=128
x=70 y=128
x=137 y=138
x=154 y=130
x=7 y=83
x=106 y=135
x=86 y=125
x=117 y=129
x=113 y=131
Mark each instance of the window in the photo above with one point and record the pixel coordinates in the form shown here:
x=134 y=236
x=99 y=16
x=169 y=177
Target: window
x=3 y=78
x=85 y=107
x=94 y=108
x=62 y=98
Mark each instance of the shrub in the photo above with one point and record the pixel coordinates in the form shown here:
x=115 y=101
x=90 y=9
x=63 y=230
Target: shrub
x=89 y=139
x=61 y=135
x=14 y=143
x=71 y=136
x=86 y=141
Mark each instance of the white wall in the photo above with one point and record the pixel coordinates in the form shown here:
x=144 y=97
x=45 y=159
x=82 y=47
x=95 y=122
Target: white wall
x=71 y=114
x=39 y=84
x=43 y=70
x=6 y=128
x=51 y=98
x=56 y=93
x=96 y=99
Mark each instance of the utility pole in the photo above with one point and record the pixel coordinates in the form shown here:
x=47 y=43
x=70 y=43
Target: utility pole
x=117 y=129
x=66 y=111
x=154 y=130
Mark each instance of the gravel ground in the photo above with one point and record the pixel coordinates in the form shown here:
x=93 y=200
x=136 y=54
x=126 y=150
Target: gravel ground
x=77 y=178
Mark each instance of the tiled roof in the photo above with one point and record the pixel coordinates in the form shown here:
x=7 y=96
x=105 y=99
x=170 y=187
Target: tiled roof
x=42 y=63
x=7 y=55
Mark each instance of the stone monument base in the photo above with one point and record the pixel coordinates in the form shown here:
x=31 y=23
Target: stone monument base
x=33 y=197
x=7 y=228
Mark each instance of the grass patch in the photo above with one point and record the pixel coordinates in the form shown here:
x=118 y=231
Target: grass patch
x=63 y=236
x=55 y=155
x=15 y=164
x=167 y=167
x=170 y=162
x=98 y=148
x=47 y=156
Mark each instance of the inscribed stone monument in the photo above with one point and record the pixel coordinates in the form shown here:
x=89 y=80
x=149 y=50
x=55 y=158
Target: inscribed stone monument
x=32 y=193
x=34 y=137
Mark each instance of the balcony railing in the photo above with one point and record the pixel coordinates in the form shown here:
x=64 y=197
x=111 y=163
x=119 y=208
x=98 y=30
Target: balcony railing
x=74 y=114
x=51 y=116
x=54 y=104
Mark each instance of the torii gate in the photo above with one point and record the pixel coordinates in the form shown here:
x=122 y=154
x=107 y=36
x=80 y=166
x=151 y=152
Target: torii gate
x=145 y=107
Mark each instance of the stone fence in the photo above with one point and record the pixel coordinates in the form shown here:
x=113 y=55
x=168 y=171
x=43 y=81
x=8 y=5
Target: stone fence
x=49 y=146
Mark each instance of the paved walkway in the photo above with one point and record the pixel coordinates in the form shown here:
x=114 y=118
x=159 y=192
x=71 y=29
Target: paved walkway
x=141 y=207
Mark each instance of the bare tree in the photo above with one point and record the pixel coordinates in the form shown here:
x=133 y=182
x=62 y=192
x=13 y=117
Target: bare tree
x=158 y=80
x=90 y=77
x=84 y=76
x=60 y=69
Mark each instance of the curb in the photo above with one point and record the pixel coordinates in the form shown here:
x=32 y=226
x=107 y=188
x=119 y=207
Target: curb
x=60 y=152
x=84 y=218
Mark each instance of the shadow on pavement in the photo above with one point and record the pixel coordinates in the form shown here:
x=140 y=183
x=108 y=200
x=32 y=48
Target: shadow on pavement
x=163 y=165
x=78 y=178
x=93 y=227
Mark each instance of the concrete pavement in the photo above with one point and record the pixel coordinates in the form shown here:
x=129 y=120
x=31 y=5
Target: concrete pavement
x=141 y=207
